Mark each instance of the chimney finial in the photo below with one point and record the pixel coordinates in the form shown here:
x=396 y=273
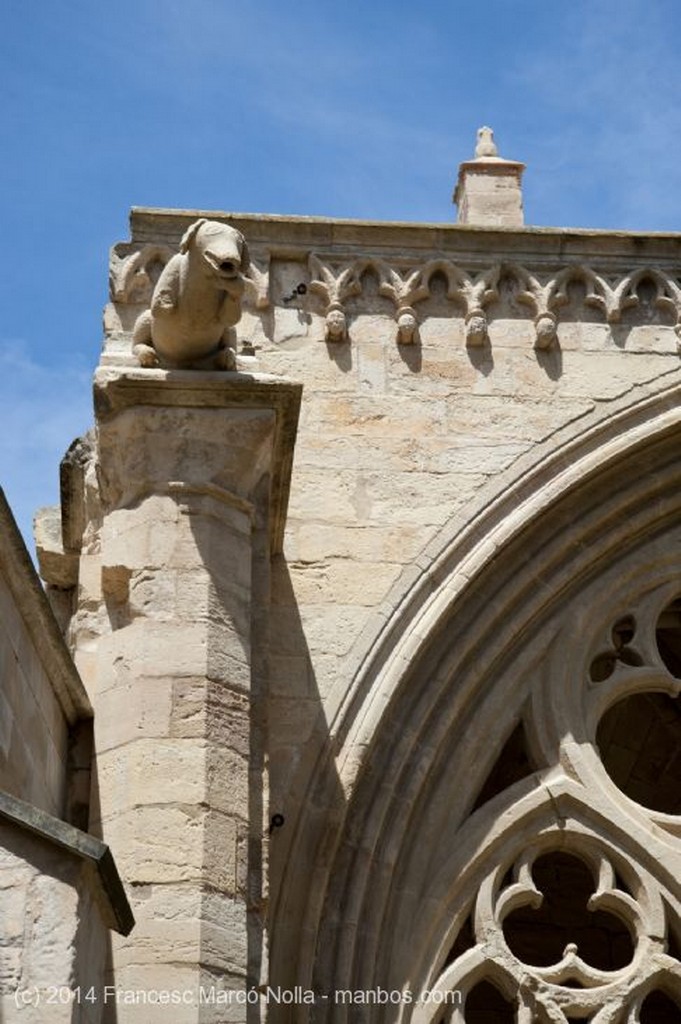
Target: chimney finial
x=488 y=192
x=485 y=146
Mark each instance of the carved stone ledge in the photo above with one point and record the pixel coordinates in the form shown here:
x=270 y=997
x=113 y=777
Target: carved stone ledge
x=543 y=295
x=296 y=237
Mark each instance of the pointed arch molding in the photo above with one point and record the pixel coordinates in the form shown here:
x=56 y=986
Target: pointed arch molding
x=499 y=625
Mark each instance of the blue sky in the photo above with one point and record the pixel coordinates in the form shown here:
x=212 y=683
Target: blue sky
x=341 y=109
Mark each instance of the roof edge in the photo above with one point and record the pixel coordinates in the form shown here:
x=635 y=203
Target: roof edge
x=26 y=588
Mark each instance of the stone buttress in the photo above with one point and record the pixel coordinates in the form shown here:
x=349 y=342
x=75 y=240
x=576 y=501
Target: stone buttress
x=177 y=502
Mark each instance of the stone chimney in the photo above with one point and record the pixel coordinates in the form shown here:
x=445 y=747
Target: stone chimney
x=488 y=192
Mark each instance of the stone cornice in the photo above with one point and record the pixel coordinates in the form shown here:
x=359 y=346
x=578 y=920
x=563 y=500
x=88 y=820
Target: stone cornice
x=538 y=246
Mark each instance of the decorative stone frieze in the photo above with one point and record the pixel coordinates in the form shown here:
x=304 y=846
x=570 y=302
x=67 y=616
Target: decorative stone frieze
x=132 y=279
x=647 y=293
x=404 y=289
x=257 y=282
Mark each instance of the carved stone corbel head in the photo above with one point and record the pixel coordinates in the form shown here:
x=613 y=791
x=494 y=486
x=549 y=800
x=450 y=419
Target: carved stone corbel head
x=336 y=324
x=545 y=330
x=407 y=326
x=476 y=328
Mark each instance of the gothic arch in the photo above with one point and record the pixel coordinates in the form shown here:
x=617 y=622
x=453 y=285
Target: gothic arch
x=502 y=627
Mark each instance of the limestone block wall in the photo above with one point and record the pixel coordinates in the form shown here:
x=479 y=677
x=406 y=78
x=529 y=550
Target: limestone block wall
x=397 y=439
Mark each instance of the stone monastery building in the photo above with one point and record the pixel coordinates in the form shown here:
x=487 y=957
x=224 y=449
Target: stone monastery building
x=351 y=695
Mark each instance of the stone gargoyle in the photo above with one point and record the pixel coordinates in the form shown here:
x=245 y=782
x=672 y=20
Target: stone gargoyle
x=196 y=301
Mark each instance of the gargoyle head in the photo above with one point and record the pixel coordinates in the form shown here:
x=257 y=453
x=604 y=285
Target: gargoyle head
x=220 y=246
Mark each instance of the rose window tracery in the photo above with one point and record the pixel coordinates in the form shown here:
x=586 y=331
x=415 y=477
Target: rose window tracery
x=580 y=920
x=639 y=734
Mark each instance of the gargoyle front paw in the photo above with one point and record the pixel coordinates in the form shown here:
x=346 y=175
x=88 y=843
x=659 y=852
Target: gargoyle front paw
x=146 y=355
x=225 y=359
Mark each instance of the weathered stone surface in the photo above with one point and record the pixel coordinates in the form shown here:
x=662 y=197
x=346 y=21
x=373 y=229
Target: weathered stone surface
x=57 y=567
x=175 y=577
x=55 y=882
